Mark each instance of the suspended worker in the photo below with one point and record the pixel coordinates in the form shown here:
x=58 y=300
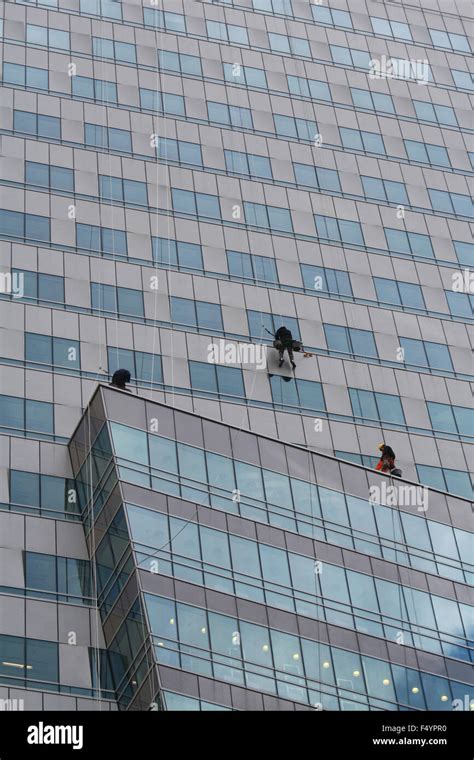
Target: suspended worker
x=386 y=462
x=284 y=342
x=120 y=378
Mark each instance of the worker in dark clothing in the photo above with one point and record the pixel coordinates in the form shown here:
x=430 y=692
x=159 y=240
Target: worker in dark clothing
x=386 y=462
x=284 y=342
x=120 y=378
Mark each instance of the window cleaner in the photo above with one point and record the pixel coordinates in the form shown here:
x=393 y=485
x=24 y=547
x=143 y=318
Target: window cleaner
x=386 y=462
x=284 y=342
x=120 y=378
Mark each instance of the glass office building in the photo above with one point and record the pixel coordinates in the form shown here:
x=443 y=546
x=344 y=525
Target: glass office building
x=183 y=177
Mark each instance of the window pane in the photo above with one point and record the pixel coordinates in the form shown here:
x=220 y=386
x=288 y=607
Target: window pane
x=115 y=242
x=363 y=343
x=130 y=443
x=230 y=381
x=66 y=353
x=164 y=251
x=337 y=338
x=24 y=486
x=61 y=178
x=12 y=224
x=39 y=416
x=184 y=201
x=208 y=315
x=51 y=288
x=390 y=408
x=12 y=412
x=203 y=376
x=43 y=658
x=130 y=302
x=208 y=206
x=120 y=139
x=183 y=311
x=38 y=348
x=438 y=355
x=280 y=219
x=411 y=295
x=37 y=228
x=40 y=571
x=37 y=174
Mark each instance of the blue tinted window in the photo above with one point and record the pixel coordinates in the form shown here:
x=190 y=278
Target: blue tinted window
x=24 y=487
x=24 y=122
x=241 y=117
x=240 y=264
x=61 y=178
x=208 y=205
x=438 y=355
x=183 y=311
x=373 y=143
x=49 y=126
x=111 y=188
x=38 y=348
x=39 y=416
x=389 y=408
x=83 y=87
x=37 y=35
x=130 y=302
x=14 y=73
x=12 y=224
x=203 y=376
x=264 y=269
x=190 y=153
x=104 y=297
x=12 y=412
x=208 y=315
x=328 y=179
x=121 y=358
x=167 y=149
x=120 y=139
x=173 y=104
x=350 y=232
x=460 y=304
x=397 y=241
x=184 y=201
x=279 y=42
x=464 y=252
x=218 y=112
x=135 y=192
x=51 y=288
x=305 y=175
x=37 y=228
x=96 y=135
x=341 y=55
x=88 y=237
x=148 y=367
x=363 y=404
x=255 y=77
x=396 y=192
x=442 y=417
x=259 y=166
x=114 y=241
x=363 y=342
x=279 y=219
x=189 y=255
x=124 y=51
x=310 y=395
x=236 y=162
x=351 y=138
